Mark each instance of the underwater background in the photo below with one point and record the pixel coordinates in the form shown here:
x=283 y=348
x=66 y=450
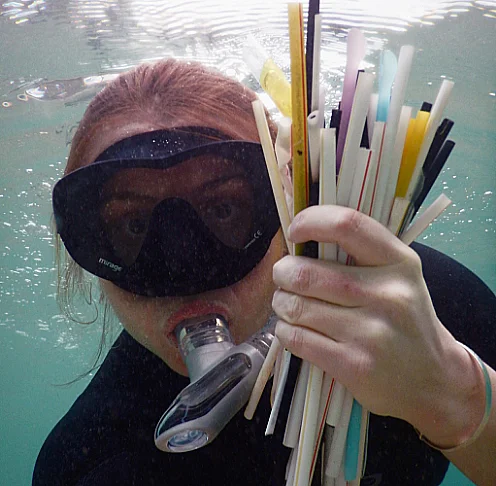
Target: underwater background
x=56 y=54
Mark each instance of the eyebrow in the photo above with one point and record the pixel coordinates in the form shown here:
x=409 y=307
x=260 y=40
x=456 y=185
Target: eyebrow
x=127 y=194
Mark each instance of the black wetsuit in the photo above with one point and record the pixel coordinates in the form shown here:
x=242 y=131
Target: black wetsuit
x=106 y=438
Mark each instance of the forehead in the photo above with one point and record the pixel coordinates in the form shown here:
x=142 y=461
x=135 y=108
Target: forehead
x=118 y=128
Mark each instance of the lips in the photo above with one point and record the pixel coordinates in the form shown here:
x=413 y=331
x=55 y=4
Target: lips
x=194 y=309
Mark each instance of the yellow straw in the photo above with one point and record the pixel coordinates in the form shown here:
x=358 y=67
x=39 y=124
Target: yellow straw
x=299 y=111
x=414 y=137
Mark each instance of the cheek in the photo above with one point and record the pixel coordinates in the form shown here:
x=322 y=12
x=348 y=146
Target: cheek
x=137 y=315
x=254 y=294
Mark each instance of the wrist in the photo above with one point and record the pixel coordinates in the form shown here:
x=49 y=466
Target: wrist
x=457 y=410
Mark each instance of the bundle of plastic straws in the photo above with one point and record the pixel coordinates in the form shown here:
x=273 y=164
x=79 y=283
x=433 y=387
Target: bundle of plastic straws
x=371 y=155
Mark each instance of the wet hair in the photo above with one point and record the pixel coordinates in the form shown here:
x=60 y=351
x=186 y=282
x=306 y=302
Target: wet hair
x=157 y=94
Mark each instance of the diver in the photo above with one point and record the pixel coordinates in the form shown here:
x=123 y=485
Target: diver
x=166 y=200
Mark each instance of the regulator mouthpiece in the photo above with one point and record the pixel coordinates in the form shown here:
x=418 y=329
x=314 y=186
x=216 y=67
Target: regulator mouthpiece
x=222 y=377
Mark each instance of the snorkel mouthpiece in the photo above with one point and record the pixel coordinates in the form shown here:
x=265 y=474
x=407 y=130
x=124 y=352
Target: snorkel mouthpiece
x=203 y=342
x=222 y=377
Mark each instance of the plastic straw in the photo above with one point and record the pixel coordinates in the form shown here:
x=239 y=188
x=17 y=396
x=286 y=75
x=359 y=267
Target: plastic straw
x=325 y=400
x=275 y=380
x=328 y=436
x=283 y=376
x=353 y=442
x=315 y=123
x=376 y=149
x=425 y=219
x=413 y=142
x=357 y=121
x=299 y=111
x=313 y=10
x=400 y=207
x=262 y=378
x=362 y=454
x=327 y=187
x=268 y=74
x=395 y=162
x=293 y=425
x=360 y=178
x=355 y=52
x=439 y=138
x=272 y=168
x=387 y=72
x=339 y=438
x=337 y=400
x=438 y=108
x=309 y=425
x=397 y=98
x=292 y=467
x=431 y=175
x=315 y=102
x=372 y=114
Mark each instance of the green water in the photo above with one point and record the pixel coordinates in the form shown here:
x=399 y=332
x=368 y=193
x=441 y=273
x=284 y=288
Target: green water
x=39 y=348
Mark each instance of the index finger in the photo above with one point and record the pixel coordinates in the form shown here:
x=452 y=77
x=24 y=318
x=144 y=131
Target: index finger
x=365 y=239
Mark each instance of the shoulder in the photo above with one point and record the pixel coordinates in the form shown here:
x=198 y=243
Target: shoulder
x=111 y=420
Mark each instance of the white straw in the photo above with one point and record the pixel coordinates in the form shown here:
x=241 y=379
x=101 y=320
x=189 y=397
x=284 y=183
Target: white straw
x=359 y=111
x=372 y=114
x=315 y=103
x=327 y=186
x=275 y=381
x=337 y=400
x=339 y=439
x=283 y=377
x=376 y=148
x=325 y=400
x=292 y=467
x=405 y=61
x=399 y=144
x=293 y=425
x=425 y=219
x=272 y=168
x=436 y=114
x=309 y=425
x=289 y=464
x=262 y=378
x=398 y=211
x=360 y=178
x=315 y=122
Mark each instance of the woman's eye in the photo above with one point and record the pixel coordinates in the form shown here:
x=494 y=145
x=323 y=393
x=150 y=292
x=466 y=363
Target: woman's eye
x=136 y=226
x=221 y=211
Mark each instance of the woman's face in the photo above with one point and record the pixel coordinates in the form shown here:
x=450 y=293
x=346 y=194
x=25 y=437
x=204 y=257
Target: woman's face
x=246 y=305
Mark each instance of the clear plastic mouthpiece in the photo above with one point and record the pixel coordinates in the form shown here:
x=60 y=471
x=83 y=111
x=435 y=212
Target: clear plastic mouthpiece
x=222 y=377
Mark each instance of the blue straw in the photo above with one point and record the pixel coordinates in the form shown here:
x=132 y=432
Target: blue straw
x=386 y=77
x=353 y=443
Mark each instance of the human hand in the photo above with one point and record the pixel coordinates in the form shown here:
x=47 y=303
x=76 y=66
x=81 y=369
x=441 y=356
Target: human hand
x=373 y=326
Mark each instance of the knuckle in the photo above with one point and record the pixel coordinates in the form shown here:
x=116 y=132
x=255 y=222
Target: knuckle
x=297 y=339
x=349 y=222
x=414 y=261
x=402 y=294
x=350 y=287
x=302 y=278
x=295 y=308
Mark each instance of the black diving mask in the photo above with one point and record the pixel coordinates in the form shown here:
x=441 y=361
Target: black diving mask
x=170 y=212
